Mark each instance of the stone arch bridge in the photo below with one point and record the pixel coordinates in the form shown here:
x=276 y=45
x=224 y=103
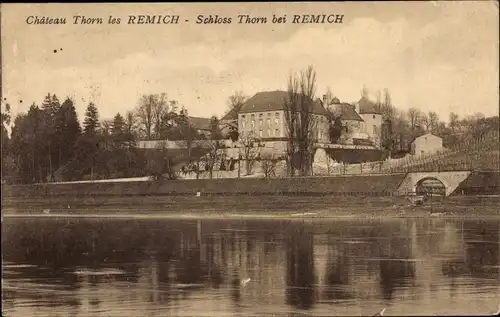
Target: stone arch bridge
x=450 y=180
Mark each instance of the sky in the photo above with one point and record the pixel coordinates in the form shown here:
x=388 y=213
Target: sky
x=437 y=56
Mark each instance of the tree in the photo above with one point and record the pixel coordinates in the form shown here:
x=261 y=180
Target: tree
x=215 y=133
x=160 y=107
x=69 y=131
x=211 y=157
x=51 y=132
x=386 y=140
x=236 y=100
x=328 y=97
x=91 y=120
x=130 y=122
x=291 y=105
x=430 y=121
x=187 y=132
x=118 y=125
x=415 y=117
x=268 y=165
x=145 y=113
x=335 y=128
x=249 y=151
x=454 y=122
x=300 y=121
x=5 y=140
x=233 y=134
x=28 y=147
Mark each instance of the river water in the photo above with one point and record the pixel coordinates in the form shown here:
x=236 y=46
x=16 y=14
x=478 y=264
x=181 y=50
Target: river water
x=163 y=267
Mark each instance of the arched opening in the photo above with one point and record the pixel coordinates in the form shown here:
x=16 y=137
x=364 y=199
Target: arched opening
x=430 y=186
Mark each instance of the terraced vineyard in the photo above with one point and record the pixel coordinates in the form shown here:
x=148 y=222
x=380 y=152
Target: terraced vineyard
x=480 y=154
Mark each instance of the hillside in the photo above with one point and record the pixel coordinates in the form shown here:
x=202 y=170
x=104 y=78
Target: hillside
x=478 y=154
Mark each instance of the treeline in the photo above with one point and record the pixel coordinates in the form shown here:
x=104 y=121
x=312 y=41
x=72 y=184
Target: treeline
x=48 y=143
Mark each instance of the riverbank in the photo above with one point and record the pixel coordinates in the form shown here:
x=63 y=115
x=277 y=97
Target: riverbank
x=269 y=207
x=324 y=197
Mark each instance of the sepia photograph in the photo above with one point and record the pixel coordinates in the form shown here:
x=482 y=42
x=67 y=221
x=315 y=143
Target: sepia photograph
x=335 y=158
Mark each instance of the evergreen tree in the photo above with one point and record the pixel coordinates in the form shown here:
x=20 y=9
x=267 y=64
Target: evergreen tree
x=91 y=121
x=52 y=138
x=118 y=126
x=69 y=129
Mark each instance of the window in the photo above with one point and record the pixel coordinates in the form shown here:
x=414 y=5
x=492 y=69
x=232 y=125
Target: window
x=268 y=132
x=373 y=116
x=253 y=124
x=277 y=132
x=260 y=115
x=260 y=133
x=374 y=130
x=268 y=122
x=268 y=114
x=243 y=125
x=260 y=122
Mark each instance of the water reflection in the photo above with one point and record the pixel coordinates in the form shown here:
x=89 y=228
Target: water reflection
x=87 y=267
x=300 y=277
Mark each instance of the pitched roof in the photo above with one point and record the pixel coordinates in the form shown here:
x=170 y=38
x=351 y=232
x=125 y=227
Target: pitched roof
x=425 y=135
x=348 y=112
x=200 y=123
x=368 y=106
x=233 y=113
x=272 y=101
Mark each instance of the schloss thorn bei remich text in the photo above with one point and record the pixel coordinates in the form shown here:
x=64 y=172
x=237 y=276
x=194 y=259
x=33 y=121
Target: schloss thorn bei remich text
x=200 y=19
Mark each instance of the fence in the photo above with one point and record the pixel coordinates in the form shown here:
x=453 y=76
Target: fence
x=474 y=154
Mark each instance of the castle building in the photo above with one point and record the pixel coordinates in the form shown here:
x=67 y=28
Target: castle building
x=263 y=117
x=362 y=121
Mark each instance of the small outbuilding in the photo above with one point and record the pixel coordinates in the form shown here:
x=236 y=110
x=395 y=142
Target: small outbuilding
x=426 y=144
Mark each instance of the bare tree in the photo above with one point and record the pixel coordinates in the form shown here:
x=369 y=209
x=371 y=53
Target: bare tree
x=328 y=98
x=434 y=121
x=430 y=121
x=250 y=149
x=415 y=118
x=237 y=99
x=212 y=157
x=130 y=122
x=106 y=127
x=454 y=122
x=160 y=107
x=307 y=122
x=388 y=110
x=424 y=119
x=300 y=121
x=145 y=115
x=268 y=165
x=291 y=105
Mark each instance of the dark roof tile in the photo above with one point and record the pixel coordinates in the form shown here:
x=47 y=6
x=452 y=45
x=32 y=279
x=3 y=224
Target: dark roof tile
x=272 y=101
x=200 y=123
x=368 y=106
x=348 y=112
